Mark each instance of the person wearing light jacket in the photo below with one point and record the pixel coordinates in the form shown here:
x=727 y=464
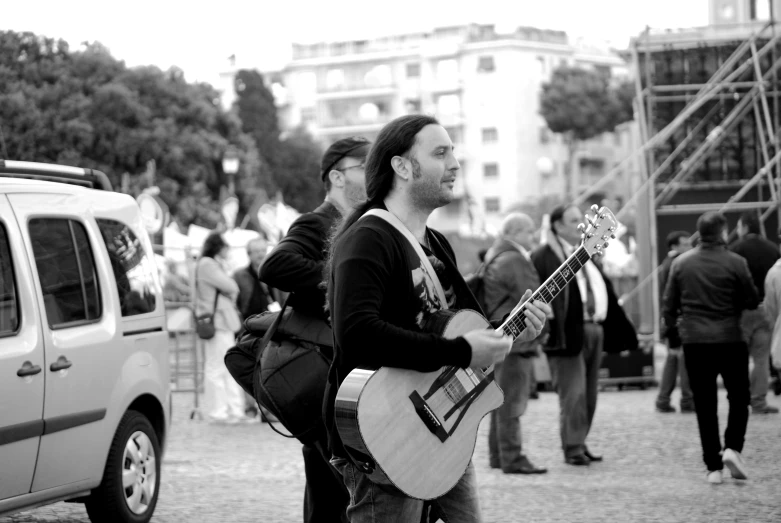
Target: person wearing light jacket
x=223 y=397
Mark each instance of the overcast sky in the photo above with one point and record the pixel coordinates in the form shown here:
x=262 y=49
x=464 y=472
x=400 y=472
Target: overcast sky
x=199 y=36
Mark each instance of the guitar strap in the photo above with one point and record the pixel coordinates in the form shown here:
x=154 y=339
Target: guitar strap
x=393 y=220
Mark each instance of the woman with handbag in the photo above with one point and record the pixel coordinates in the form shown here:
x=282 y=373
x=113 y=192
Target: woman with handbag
x=217 y=321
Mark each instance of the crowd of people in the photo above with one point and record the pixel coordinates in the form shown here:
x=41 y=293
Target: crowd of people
x=358 y=275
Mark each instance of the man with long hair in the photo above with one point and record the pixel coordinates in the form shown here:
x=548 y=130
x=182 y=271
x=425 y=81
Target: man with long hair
x=709 y=288
x=380 y=298
x=296 y=266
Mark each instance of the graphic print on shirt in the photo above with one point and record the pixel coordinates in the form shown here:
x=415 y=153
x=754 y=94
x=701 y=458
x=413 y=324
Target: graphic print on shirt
x=423 y=285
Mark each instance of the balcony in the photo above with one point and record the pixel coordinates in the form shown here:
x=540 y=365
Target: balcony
x=352 y=125
x=356 y=91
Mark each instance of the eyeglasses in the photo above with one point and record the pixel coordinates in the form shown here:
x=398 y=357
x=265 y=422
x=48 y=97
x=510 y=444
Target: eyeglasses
x=359 y=166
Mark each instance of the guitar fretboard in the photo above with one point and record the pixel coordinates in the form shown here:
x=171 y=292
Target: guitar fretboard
x=514 y=325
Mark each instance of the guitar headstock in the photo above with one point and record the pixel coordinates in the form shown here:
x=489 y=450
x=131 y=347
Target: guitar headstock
x=598 y=230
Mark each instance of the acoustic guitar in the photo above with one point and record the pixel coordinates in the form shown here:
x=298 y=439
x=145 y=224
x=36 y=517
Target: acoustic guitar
x=416 y=431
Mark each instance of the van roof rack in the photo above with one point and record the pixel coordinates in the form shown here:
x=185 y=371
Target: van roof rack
x=90 y=178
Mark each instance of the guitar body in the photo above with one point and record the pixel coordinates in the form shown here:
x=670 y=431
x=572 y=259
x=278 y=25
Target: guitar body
x=419 y=428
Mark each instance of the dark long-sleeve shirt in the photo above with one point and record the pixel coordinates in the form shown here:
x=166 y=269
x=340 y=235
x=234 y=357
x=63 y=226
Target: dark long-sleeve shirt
x=761 y=254
x=709 y=288
x=296 y=264
x=380 y=299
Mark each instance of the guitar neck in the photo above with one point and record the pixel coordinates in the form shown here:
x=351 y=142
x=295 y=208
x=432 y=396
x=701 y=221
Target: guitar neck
x=514 y=325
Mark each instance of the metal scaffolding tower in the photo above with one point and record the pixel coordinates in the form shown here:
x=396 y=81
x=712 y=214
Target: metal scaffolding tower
x=708 y=112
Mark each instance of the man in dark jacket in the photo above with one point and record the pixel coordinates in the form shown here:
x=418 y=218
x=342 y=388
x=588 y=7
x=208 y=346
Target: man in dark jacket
x=761 y=254
x=678 y=242
x=508 y=274
x=254 y=297
x=582 y=315
x=709 y=288
x=296 y=266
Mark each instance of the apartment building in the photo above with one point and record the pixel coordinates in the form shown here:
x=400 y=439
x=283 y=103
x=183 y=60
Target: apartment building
x=484 y=88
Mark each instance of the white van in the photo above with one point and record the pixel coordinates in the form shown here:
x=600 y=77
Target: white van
x=84 y=377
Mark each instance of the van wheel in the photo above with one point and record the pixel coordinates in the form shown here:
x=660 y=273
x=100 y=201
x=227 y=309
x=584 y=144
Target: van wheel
x=131 y=480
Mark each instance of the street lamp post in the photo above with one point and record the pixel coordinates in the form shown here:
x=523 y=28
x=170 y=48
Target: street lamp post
x=230 y=166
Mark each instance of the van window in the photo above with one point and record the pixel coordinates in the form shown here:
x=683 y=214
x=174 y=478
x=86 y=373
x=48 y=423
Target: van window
x=133 y=269
x=9 y=303
x=66 y=268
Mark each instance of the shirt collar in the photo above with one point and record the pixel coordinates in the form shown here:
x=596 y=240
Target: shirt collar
x=520 y=247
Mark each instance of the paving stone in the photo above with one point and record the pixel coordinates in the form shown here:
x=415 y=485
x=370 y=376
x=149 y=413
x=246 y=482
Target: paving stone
x=653 y=471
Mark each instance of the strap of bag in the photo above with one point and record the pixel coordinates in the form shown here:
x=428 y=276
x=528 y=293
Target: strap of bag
x=271 y=330
x=393 y=220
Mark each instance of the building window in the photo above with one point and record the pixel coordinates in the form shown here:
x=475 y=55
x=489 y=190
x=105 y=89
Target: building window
x=66 y=270
x=9 y=302
x=413 y=70
x=369 y=112
x=492 y=205
x=334 y=79
x=134 y=271
x=490 y=170
x=544 y=135
x=379 y=76
x=412 y=106
x=449 y=105
x=447 y=70
x=338 y=110
x=490 y=135
x=485 y=64
x=542 y=64
x=307 y=115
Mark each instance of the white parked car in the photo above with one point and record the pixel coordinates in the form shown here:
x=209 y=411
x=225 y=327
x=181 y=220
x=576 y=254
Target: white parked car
x=84 y=377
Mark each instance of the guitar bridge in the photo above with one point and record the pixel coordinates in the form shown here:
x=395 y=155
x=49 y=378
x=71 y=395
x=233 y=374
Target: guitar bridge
x=428 y=417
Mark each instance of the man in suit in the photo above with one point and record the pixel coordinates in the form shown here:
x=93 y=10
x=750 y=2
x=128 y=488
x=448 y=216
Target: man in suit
x=509 y=272
x=582 y=314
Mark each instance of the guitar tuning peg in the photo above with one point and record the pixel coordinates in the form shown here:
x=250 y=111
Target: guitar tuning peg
x=595 y=208
x=613 y=236
x=581 y=227
x=604 y=245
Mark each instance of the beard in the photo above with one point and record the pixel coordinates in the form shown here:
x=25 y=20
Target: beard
x=428 y=193
x=354 y=193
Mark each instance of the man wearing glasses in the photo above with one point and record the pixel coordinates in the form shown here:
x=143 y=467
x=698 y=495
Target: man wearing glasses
x=296 y=266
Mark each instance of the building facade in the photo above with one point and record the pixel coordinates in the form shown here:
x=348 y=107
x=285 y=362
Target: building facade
x=483 y=86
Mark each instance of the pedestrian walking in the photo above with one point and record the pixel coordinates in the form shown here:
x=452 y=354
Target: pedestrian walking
x=708 y=289
x=761 y=254
x=678 y=242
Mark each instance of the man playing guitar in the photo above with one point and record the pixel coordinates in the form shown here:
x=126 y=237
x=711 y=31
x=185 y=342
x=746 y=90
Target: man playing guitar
x=380 y=295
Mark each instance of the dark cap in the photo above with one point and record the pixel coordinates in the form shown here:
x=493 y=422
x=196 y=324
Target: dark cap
x=354 y=147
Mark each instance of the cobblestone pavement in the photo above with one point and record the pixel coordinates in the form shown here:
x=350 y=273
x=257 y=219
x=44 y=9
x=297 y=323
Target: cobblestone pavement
x=652 y=471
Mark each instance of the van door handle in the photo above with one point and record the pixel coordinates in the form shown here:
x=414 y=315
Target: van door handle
x=62 y=363
x=28 y=369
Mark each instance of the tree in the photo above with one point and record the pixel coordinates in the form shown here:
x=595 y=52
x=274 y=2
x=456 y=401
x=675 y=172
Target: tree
x=298 y=172
x=582 y=104
x=293 y=162
x=86 y=108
